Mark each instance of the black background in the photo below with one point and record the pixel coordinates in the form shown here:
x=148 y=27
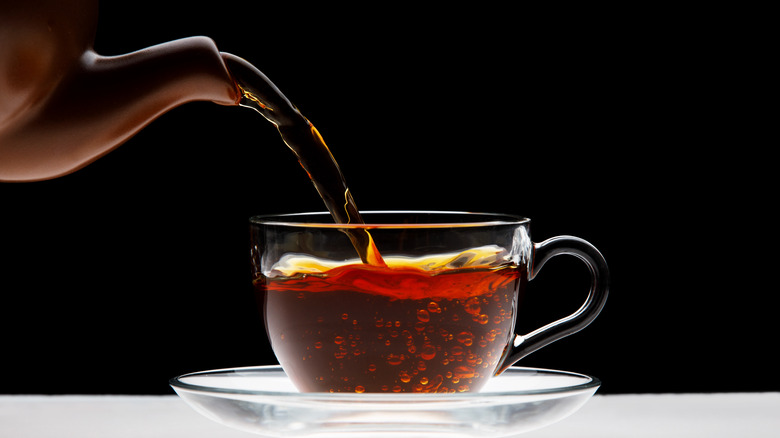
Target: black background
x=623 y=127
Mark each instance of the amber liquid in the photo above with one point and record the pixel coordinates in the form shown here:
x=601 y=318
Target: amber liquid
x=260 y=94
x=399 y=328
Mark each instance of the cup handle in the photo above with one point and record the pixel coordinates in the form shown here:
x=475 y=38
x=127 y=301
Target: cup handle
x=524 y=345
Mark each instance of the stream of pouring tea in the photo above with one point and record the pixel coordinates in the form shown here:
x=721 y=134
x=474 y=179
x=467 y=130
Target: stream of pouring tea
x=260 y=94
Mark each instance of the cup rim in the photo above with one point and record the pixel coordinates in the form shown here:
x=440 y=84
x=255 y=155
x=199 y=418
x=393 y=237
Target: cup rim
x=304 y=220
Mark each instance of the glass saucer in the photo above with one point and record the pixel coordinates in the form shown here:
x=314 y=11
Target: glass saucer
x=262 y=400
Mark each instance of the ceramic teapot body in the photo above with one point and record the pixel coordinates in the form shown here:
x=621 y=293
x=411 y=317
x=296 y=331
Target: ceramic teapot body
x=62 y=105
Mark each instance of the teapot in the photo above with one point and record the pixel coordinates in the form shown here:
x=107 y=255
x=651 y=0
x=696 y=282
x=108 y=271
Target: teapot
x=62 y=105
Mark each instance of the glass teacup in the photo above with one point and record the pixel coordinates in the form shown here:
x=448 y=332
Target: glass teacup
x=437 y=313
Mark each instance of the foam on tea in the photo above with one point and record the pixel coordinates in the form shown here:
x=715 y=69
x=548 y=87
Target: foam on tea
x=429 y=324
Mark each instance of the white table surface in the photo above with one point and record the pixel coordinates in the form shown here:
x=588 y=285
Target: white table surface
x=754 y=415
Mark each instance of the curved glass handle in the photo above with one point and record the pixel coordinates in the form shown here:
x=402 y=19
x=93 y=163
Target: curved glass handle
x=599 y=289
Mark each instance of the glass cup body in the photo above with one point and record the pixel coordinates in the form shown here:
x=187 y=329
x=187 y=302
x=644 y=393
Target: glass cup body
x=437 y=315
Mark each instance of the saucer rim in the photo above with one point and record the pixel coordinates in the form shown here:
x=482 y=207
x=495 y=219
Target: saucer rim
x=592 y=383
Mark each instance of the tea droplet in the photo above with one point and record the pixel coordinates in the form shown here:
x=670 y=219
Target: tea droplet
x=423 y=315
x=371 y=367
x=338 y=340
x=318 y=345
x=433 y=307
x=344 y=316
x=483 y=319
x=360 y=389
x=404 y=376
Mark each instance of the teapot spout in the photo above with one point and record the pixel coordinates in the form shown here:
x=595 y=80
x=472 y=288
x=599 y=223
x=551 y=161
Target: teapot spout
x=102 y=101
